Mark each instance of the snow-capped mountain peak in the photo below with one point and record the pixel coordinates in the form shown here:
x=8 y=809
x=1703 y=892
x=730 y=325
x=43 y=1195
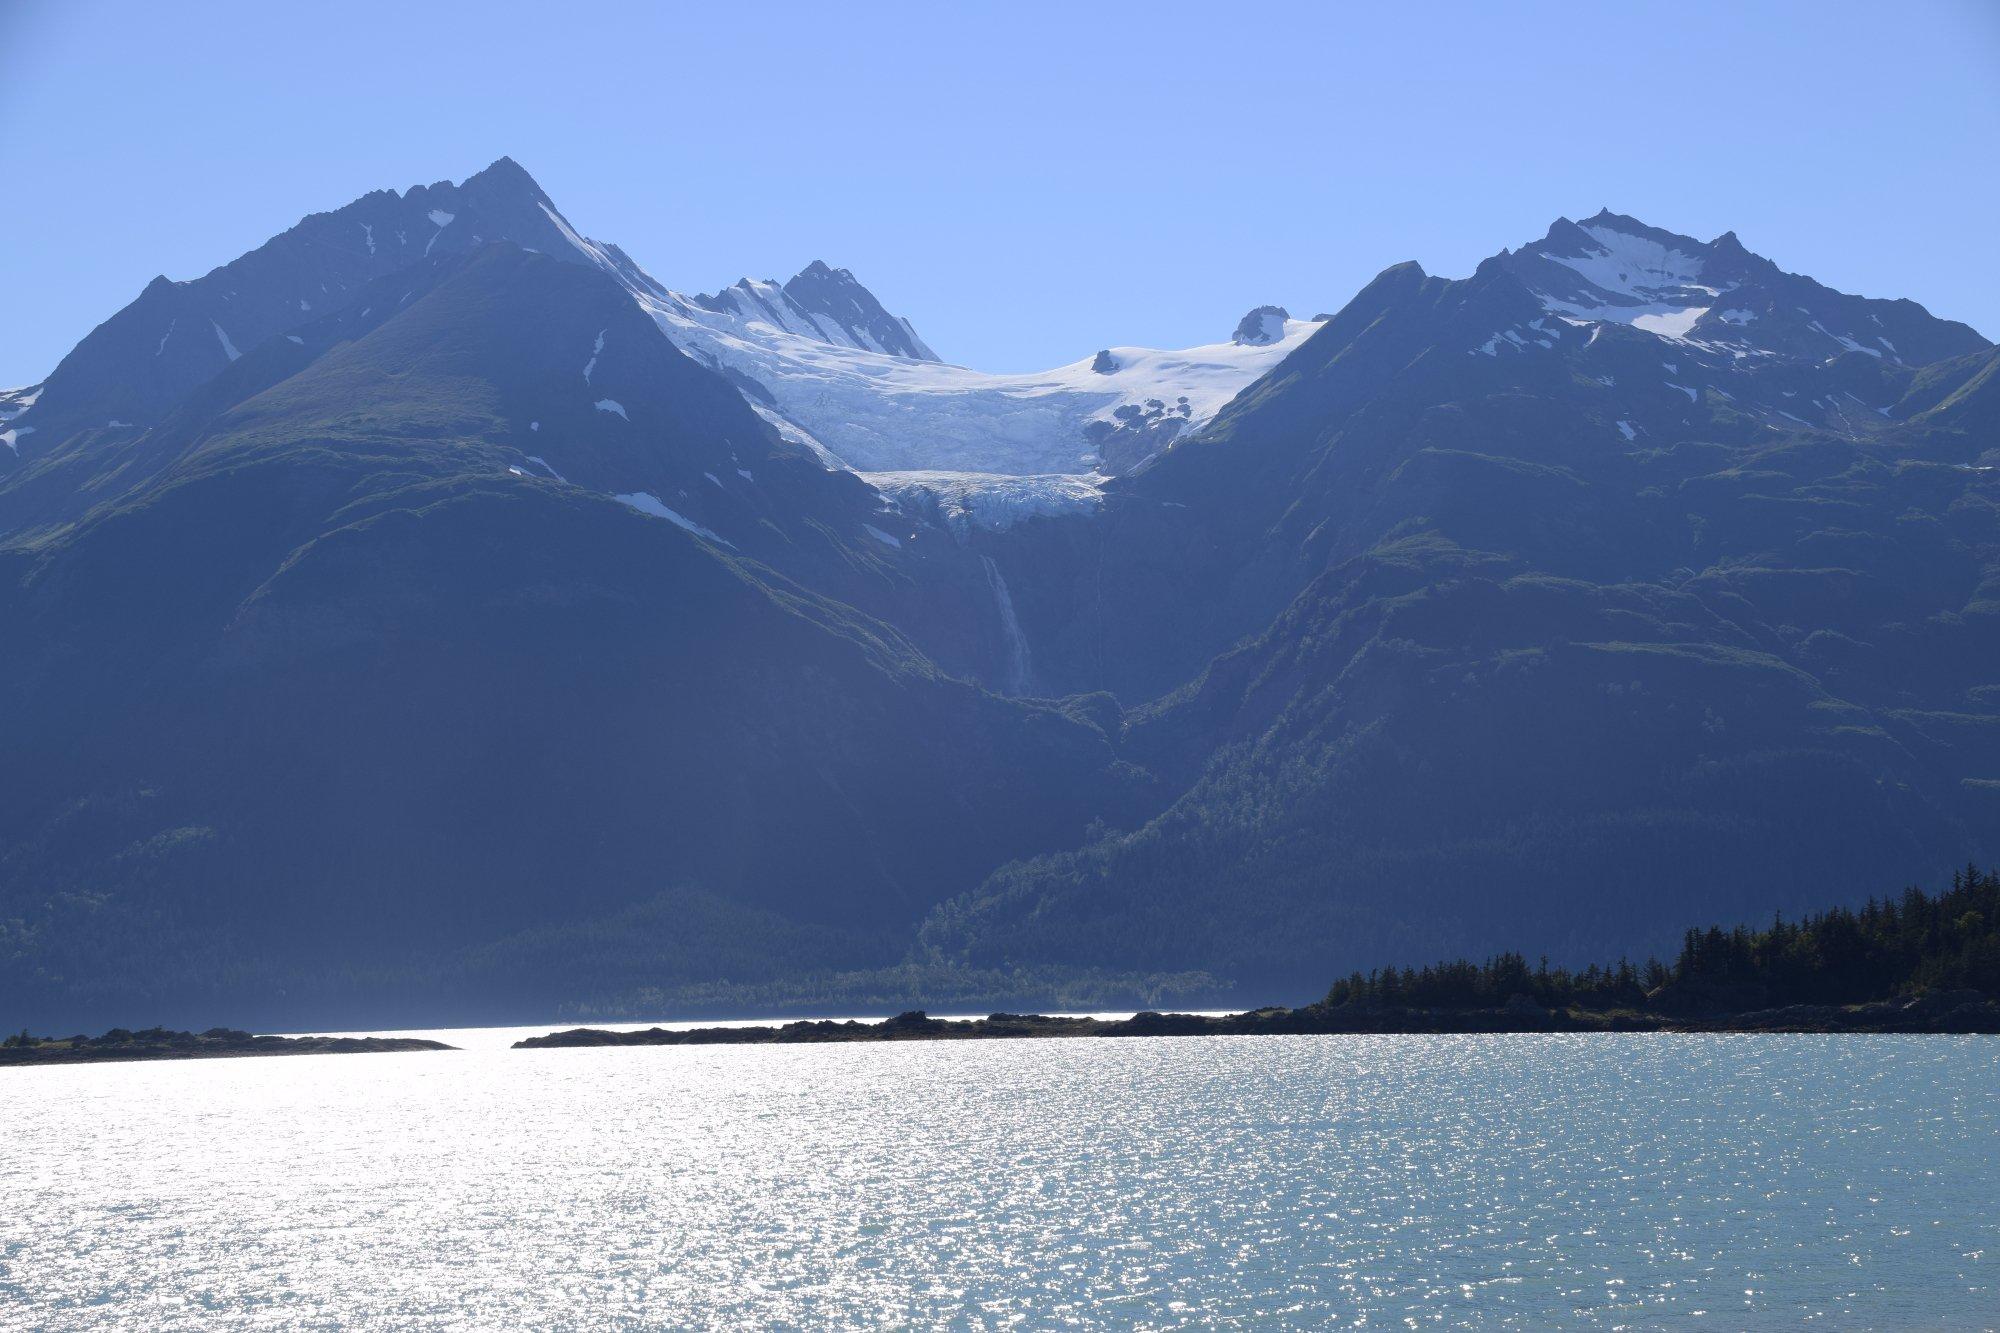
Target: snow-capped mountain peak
x=818 y=356
x=176 y=335
x=1715 y=296
x=832 y=295
x=822 y=303
x=1611 y=267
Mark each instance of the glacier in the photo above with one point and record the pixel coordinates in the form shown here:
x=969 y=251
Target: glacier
x=832 y=372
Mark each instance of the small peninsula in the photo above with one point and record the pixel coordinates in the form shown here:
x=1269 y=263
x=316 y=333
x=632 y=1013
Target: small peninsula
x=216 y=1043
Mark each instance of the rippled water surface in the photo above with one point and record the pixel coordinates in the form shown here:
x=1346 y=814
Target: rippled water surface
x=1258 y=1182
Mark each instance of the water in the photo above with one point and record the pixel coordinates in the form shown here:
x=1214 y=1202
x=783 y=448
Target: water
x=1018 y=671
x=1247 y=1182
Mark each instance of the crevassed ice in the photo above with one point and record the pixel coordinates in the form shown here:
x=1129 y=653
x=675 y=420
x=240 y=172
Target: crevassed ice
x=966 y=500
x=878 y=412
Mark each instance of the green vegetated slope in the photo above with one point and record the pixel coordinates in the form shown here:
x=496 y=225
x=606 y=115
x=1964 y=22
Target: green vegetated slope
x=337 y=702
x=1530 y=683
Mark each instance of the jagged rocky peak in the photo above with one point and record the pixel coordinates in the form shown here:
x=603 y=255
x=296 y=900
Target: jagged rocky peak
x=1261 y=327
x=1104 y=363
x=833 y=294
x=825 y=304
x=176 y=335
x=1614 y=268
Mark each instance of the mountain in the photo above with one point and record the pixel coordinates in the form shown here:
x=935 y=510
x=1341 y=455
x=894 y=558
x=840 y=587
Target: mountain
x=825 y=304
x=1218 y=534
x=122 y=406
x=1504 y=613
x=355 y=689
x=818 y=356
x=1718 y=297
x=177 y=335
x=468 y=624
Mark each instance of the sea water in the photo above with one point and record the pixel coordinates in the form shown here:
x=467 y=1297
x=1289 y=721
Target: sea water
x=1503 y=1181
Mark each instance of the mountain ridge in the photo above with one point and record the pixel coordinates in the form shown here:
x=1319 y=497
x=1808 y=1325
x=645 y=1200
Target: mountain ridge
x=1559 y=613
x=343 y=661
x=496 y=608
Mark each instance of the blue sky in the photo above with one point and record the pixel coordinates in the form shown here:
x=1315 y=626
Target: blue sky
x=1026 y=183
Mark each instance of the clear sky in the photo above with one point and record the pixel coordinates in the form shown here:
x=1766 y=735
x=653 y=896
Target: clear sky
x=1027 y=183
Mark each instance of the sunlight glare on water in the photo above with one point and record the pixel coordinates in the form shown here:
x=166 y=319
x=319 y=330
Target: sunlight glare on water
x=1260 y=1182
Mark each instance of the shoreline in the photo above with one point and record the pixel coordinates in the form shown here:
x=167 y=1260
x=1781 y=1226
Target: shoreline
x=1953 y=1013
x=119 y=1045
x=1936 y=1013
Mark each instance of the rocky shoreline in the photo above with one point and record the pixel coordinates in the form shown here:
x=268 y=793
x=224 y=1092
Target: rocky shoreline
x=216 y=1043
x=1938 y=1012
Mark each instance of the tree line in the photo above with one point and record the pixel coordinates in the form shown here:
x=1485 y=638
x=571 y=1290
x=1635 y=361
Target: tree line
x=1890 y=947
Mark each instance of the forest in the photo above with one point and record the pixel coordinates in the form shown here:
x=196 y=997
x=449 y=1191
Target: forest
x=1889 y=947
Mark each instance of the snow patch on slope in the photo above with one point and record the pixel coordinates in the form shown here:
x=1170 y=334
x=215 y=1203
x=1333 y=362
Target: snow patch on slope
x=442 y=219
x=13 y=402
x=1637 y=267
x=648 y=503
x=1670 y=323
x=1625 y=278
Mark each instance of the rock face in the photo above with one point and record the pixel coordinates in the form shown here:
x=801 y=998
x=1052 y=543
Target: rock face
x=1261 y=327
x=832 y=294
x=1137 y=432
x=824 y=304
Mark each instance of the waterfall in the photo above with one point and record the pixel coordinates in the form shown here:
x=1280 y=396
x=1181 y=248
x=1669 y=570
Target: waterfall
x=1014 y=677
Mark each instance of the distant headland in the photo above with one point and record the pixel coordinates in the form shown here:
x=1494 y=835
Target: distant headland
x=161 y=1044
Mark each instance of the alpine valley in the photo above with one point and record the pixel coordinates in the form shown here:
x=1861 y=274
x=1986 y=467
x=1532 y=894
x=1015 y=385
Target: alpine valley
x=430 y=616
